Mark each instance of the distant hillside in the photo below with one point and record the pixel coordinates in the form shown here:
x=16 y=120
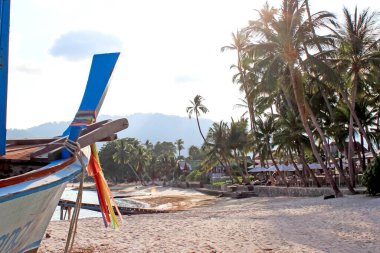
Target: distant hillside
x=152 y=127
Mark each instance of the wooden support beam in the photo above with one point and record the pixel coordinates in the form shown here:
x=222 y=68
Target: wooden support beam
x=53 y=149
x=107 y=130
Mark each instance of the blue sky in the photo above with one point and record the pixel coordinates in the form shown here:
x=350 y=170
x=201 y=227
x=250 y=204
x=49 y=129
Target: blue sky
x=170 y=52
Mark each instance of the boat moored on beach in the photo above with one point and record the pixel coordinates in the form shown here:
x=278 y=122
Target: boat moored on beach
x=34 y=172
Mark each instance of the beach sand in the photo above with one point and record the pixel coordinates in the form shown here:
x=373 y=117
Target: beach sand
x=281 y=224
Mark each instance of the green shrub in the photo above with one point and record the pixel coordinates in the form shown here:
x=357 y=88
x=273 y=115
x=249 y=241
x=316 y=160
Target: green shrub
x=195 y=175
x=182 y=178
x=371 y=177
x=218 y=183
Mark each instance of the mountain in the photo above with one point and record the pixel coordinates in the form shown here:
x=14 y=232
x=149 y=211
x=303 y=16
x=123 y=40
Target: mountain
x=153 y=127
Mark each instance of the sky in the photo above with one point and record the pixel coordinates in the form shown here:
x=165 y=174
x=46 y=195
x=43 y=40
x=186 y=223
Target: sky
x=170 y=52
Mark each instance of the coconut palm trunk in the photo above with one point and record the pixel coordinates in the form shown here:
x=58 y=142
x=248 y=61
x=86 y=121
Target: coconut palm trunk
x=241 y=172
x=199 y=127
x=298 y=172
x=300 y=101
x=301 y=155
x=363 y=153
x=357 y=121
x=351 y=148
x=326 y=148
x=283 y=179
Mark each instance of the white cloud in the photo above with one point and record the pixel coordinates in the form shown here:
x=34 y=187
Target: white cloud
x=77 y=45
x=161 y=43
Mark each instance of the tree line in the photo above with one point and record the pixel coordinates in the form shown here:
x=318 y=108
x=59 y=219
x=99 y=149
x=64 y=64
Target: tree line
x=128 y=159
x=308 y=80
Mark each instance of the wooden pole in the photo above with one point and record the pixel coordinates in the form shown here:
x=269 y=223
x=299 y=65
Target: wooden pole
x=4 y=49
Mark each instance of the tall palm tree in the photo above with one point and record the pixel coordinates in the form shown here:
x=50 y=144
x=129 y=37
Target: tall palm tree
x=282 y=50
x=197 y=108
x=357 y=51
x=180 y=146
x=243 y=77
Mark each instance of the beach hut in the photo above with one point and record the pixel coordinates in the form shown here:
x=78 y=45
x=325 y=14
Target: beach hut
x=256 y=169
x=315 y=166
x=291 y=167
x=281 y=167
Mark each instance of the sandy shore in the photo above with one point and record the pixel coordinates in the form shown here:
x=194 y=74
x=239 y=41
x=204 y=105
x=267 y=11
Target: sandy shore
x=282 y=224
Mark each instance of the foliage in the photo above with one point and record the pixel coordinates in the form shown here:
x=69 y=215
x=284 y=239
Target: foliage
x=303 y=77
x=129 y=160
x=371 y=177
x=196 y=153
x=182 y=178
x=113 y=171
x=219 y=183
x=197 y=108
x=195 y=175
x=179 y=145
x=162 y=148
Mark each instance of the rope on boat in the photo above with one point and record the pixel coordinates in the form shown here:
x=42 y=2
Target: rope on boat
x=74 y=149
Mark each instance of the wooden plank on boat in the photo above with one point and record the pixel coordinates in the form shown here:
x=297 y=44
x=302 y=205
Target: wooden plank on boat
x=94 y=126
x=49 y=146
x=105 y=131
x=52 y=150
x=56 y=146
x=19 y=153
x=30 y=141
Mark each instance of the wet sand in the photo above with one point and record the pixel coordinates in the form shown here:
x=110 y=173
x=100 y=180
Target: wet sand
x=206 y=224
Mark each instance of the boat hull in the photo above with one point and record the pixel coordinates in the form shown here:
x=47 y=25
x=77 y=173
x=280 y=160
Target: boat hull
x=26 y=208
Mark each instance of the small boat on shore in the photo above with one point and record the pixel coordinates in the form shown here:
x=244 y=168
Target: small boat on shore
x=34 y=172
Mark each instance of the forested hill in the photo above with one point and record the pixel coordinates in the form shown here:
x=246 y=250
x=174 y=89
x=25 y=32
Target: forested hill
x=152 y=127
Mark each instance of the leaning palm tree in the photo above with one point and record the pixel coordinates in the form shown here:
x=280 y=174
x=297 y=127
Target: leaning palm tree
x=197 y=107
x=244 y=76
x=356 y=53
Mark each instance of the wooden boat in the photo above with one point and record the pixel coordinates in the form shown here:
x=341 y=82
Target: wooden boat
x=34 y=173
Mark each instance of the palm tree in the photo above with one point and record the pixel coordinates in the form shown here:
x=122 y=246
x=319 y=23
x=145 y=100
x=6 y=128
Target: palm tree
x=290 y=137
x=264 y=136
x=367 y=117
x=197 y=107
x=356 y=53
x=122 y=156
x=142 y=157
x=285 y=34
x=180 y=146
x=128 y=151
x=238 y=140
x=217 y=151
x=195 y=153
x=243 y=77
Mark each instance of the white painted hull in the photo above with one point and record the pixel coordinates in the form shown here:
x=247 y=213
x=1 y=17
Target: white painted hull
x=26 y=209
